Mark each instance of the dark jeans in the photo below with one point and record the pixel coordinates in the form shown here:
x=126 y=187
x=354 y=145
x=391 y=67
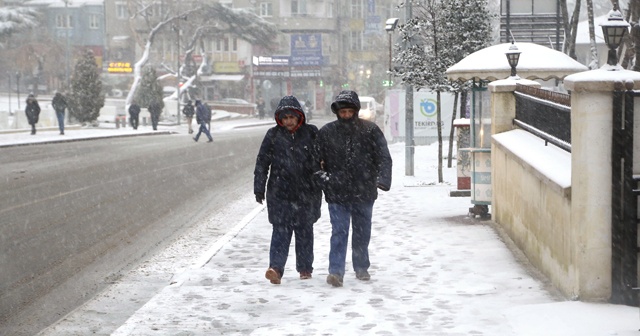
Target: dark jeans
x=360 y=216
x=280 y=241
x=60 y=116
x=133 y=119
x=203 y=129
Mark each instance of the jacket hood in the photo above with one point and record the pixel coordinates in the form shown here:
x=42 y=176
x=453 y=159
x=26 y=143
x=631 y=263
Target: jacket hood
x=344 y=99
x=289 y=104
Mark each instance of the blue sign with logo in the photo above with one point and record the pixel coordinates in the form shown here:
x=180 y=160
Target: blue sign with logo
x=306 y=49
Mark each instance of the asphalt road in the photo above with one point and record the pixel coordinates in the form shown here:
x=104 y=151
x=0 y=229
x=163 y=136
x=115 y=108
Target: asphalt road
x=74 y=216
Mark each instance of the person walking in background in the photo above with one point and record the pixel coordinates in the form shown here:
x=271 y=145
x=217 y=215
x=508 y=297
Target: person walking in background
x=207 y=115
x=289 y=159
x=154 y=110
x=59 y=104
x=201 y=119
x=32 y=109
x=134 y=114
x=356 y=161
x=188 y=112
x=261 y=107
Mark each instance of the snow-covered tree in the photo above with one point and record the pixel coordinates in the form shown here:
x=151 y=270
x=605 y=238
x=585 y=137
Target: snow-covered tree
x=86 y=97
x=199 y=19
x=150 y=89
x=16 y=19
x=440 y=34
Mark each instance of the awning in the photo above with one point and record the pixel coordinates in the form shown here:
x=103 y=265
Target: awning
x=536 y=62
x=214 y=78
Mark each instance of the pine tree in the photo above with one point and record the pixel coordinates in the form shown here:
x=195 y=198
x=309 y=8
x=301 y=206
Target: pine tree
x=86 y=97
x=150 y=89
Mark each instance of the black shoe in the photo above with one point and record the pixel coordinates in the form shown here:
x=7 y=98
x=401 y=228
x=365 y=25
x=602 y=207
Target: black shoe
x=194 y=139
x=334 y=280
x=363 y=275
x=61 y=133
x=210 y=140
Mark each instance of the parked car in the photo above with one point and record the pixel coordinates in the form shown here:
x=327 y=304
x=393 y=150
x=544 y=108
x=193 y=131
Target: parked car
x=236 y=105
x=367 y=108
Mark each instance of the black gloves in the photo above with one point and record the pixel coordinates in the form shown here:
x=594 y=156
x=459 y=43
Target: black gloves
x=259 y=197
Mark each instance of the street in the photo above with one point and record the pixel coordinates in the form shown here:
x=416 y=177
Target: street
x=76 y=215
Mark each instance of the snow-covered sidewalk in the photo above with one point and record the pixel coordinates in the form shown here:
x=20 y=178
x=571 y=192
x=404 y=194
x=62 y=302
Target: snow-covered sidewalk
x=435 y=271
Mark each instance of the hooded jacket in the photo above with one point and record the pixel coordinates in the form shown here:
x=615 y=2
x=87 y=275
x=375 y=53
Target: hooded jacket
x=32 y=110
x=289 y=160
x=355 y=154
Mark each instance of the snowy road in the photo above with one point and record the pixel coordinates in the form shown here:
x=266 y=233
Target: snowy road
x=76 y=215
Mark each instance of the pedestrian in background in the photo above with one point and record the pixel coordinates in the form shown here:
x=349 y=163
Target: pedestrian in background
x=32 y=109
x=289 y=159
x=134 y=114
x=59 y=104
x=207 y=115
x=356 y=162
x=261 y=107
x=188 y=112
x=154 y=110
x=201 y=119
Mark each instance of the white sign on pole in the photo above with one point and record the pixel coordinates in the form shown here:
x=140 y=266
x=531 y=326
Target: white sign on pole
x=424 y=113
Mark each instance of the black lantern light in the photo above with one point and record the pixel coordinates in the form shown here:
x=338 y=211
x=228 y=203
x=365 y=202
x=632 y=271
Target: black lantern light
x=614 y=30
x=513 y=56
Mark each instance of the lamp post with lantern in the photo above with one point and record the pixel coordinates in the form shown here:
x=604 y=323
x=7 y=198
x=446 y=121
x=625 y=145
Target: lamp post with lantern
x=513 y=56
x=614 y=31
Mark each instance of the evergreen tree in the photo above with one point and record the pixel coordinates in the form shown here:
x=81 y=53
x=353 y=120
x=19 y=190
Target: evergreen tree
x=86 y=97
x=150 y=89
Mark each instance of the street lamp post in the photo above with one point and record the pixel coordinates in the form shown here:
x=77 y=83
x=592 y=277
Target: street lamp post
x=9 y=76
x=614 y=30
x=409 y=143
x=67 y=26
x=177 y=27
x=18 y=87
x=390 y=26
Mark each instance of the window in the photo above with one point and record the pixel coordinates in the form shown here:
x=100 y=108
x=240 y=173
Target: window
x=64 y=21
x=298 y=7
x=234 y=44
x=122 y=13
x=266 y=9
x=356 y=9
x=355 y=41
x=94 y=21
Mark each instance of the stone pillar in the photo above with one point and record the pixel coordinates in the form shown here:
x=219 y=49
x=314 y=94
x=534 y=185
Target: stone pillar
x=591 y=132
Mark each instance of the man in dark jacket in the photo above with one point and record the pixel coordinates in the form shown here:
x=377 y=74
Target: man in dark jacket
x=188 y=112
x=289 y=158
x=356 y=162
x=201 y=117
x=134 y=114
x=59 y=105
x=154 y=110
x=32 y=110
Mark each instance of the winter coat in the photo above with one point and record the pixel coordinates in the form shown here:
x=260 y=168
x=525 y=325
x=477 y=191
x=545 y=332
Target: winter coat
x=202 y=113
x=188 y=110
x=33 y=111
x=289 y=160
x=59 y=103
x=155 y=109
x=355 y=156
x=134 y=110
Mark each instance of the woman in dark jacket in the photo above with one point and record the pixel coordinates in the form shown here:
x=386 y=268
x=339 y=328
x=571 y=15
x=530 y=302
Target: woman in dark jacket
x=33 y=112
x=288 y=157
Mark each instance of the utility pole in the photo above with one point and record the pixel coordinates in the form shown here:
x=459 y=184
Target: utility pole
x=408 y=107
x=178 y=75
x=67 y=20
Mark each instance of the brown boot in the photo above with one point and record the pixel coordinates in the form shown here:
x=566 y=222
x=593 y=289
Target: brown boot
x=273 y=276
x=305 y=275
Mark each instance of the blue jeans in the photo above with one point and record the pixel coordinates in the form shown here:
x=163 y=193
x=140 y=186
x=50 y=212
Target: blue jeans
x=203 y=129
x=360 y=216
x=60 y=116
x=279 y=250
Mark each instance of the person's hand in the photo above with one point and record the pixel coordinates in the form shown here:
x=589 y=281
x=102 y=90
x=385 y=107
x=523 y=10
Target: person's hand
x=259 y=197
